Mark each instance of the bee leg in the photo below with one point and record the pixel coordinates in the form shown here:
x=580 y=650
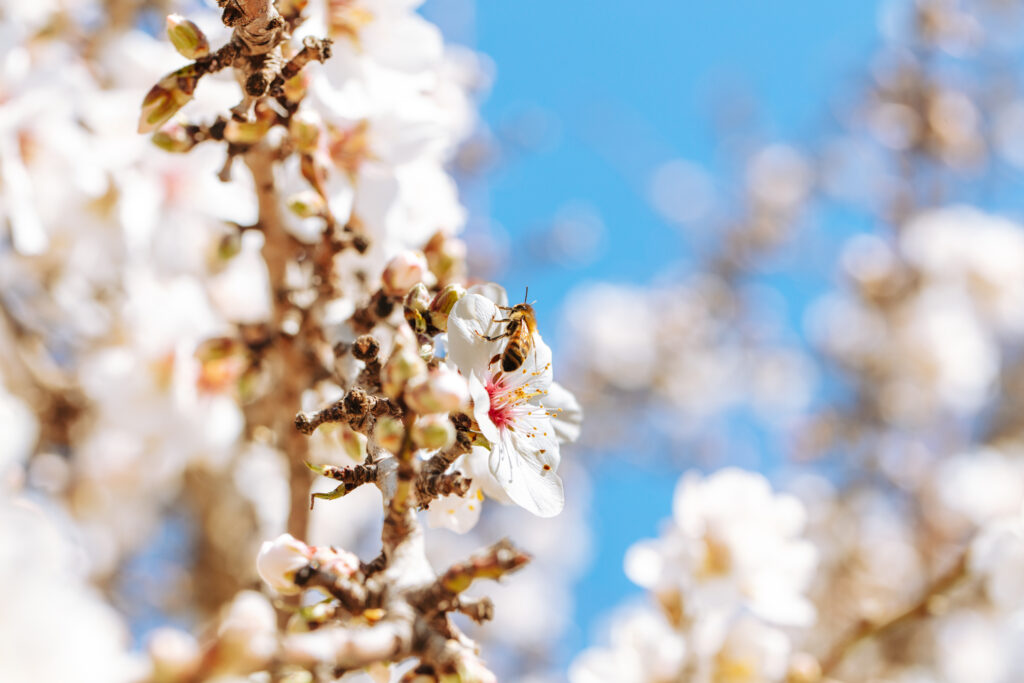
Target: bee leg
x=494 y=338
x=494 y=360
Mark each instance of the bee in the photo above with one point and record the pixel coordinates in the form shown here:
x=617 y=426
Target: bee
x=520 y=326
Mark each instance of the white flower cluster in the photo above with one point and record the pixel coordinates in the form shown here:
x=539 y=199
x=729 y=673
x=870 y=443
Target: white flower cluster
x=729 y=574
x=128 y=286
x=944 y=298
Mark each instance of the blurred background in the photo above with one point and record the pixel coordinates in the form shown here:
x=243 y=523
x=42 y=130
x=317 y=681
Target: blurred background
x=777 y=236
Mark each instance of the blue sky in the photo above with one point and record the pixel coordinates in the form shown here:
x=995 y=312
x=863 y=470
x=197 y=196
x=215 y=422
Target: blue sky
x=613 y=90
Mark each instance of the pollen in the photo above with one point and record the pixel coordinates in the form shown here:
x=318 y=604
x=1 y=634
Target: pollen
x=547 y=467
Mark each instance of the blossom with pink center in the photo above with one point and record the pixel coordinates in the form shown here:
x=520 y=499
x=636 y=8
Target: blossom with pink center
x=522 y=414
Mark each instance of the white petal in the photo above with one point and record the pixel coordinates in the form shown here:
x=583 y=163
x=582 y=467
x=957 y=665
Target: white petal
x=475 y=465
x=492 y=291
x=567 y=412
x=459 y=514
x=522 y=474
x=644 y=564
x=470 y=321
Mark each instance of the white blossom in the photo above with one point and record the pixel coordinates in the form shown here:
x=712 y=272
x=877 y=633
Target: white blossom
x=515 y=411
x=280 y=559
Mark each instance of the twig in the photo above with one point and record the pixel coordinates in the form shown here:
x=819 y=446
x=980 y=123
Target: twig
x=921 y=608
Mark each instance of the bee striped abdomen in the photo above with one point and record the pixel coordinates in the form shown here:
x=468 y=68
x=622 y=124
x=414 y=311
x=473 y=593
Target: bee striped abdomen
x=513 y=357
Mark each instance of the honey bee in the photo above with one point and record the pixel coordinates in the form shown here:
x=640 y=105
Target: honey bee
x=520 y=326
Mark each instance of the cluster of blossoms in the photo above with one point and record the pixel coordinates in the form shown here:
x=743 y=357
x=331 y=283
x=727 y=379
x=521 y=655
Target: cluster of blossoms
x=165 y=316
x=914 y=516
x=727 y=575
x=948 y=295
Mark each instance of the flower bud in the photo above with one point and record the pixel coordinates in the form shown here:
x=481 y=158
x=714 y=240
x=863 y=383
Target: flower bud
x=305 y=131
x=471 y=669
x=433 y=432
x=443 y=304
x=297 y=676
x=246 y=132
x=228 y=247
x=442 y=390
x=173 y=138
x=336 y=561
x=353 y=443
x=417 y=308
x=222 y=361
x=174 y=655
x=390 y=434
x=316 y=614
x=403 y=271
x=161 y=103
x=280 y=559
x=401 y=367
x=187 y=38
x=291 y=8
x=295 y=87
x=247 y=633
x=307 y=204
x=446 y=256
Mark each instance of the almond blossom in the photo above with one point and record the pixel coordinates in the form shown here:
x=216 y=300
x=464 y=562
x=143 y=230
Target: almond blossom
x=522 y=414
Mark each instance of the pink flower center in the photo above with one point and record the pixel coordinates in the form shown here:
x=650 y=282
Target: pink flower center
x=500 y=411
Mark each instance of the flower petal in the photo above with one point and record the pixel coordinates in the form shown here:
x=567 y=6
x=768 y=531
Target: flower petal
x=474 y=465
x=528 y=476
x=492 y=291
x=472 y=319
x=457 y=513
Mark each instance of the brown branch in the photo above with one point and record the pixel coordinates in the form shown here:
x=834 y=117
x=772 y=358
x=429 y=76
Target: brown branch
x=477 y=609
x=920 y=609
x=356 y=408
x=352 y=595
x=313 y=49
x=351 y=478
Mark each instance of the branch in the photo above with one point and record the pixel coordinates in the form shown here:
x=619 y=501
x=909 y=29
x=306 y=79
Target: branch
x=920 y=609
x=355 y=408
x=353 y=596
x=477 y=609
x=352 y=648
x=351 y=478
x=493 y=563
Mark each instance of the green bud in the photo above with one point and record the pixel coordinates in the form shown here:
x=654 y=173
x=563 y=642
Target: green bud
x=441 y=391
x=246 y=132
x=173 y=139
x=187 y=38
x=305 y=130
x=417 y=308
x=229 y=245
x=295 y=87
x=161 y=103
x=433 y=432
x=390 y=433
x=401 y=367
x=443 y=304
x=291 y=8
x=307 y=204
